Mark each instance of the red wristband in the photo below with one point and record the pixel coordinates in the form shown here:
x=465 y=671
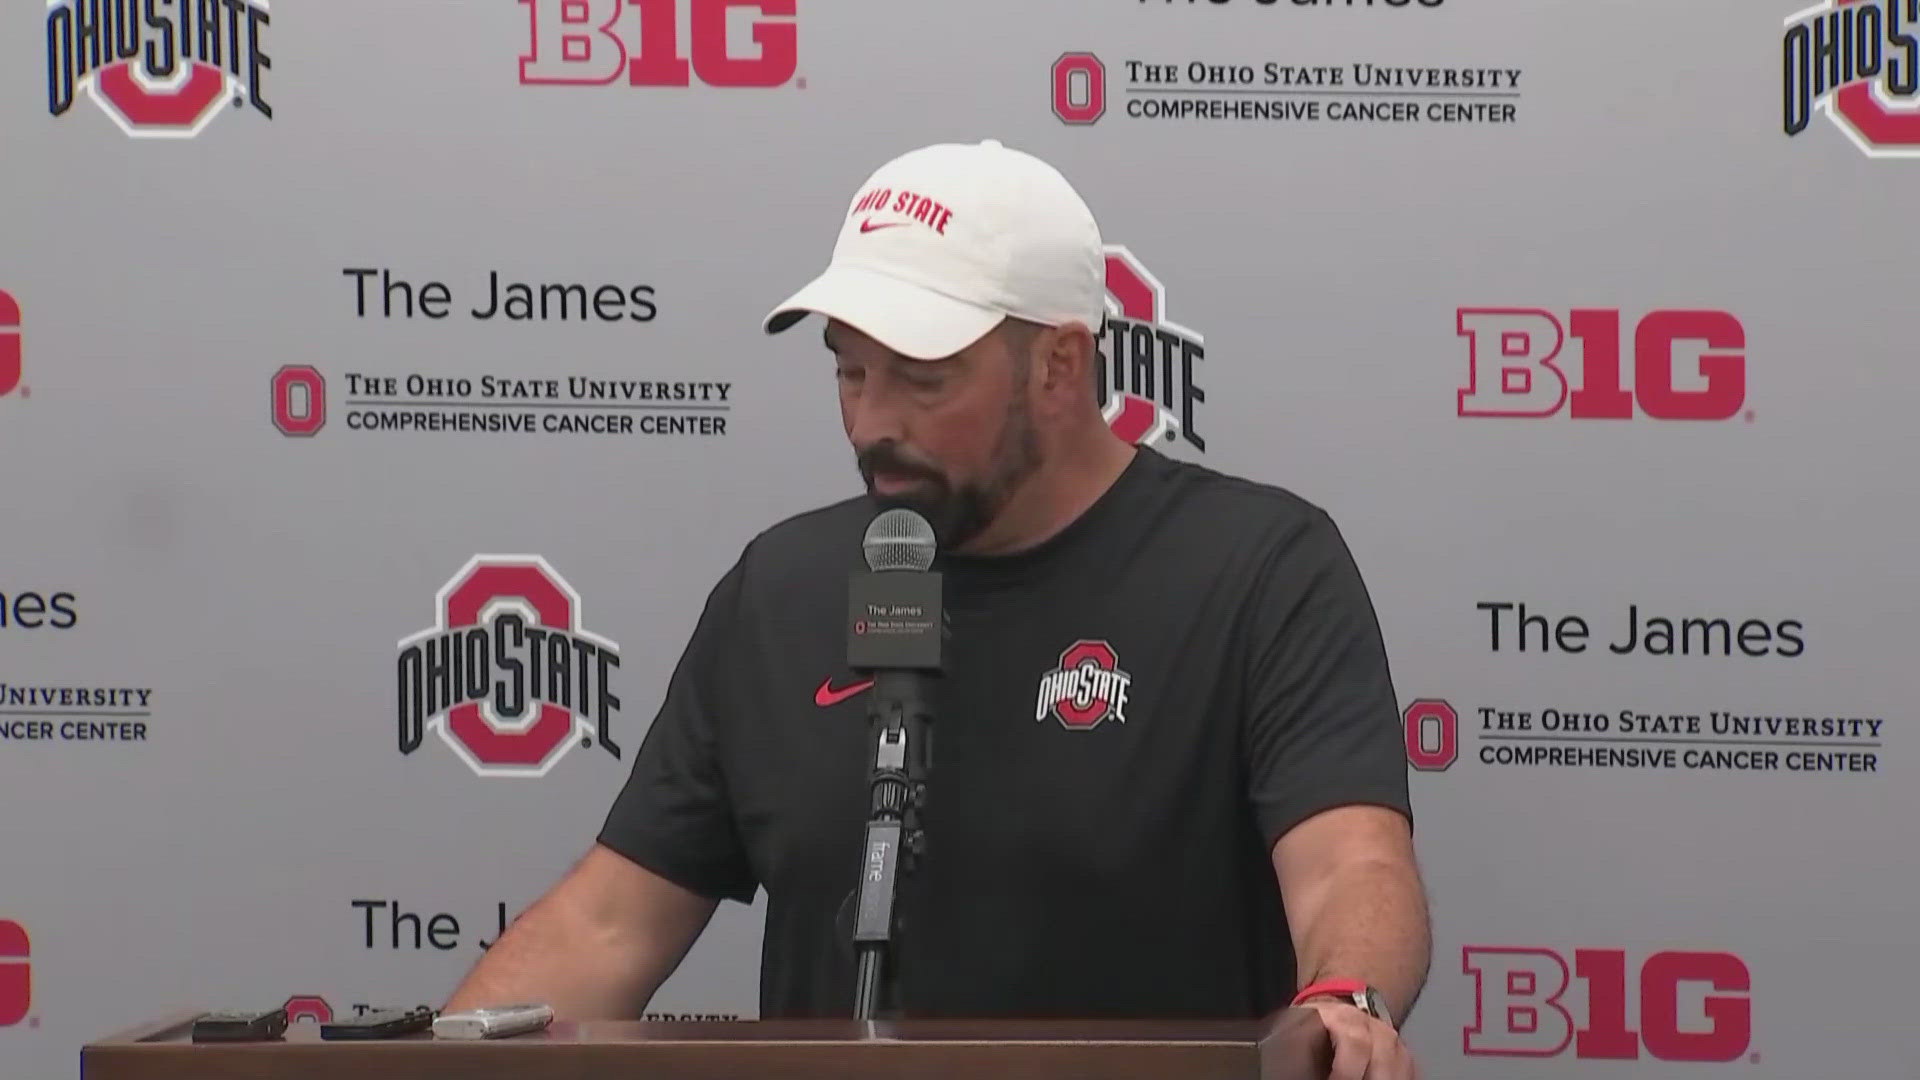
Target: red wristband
x=1330 y=986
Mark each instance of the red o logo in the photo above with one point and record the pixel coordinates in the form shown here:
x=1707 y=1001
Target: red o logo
x=308 y=1007
x=299 y=400
x=1079 y=88
x=466 y=603
x=1436 y=719
x=1093 y=654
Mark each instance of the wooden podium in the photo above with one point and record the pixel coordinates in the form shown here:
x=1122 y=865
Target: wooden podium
x=1289 y=1045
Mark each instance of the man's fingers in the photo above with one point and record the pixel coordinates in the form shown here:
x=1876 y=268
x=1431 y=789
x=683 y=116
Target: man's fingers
x=1392 y=1060
x=1352 y=1050
x=1349 y=1059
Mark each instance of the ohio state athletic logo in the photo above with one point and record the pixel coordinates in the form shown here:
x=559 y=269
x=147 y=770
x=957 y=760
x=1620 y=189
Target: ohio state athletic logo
x=507 y=676
x=161 y=69
x=1148 y=388
x=1857 y=61
x=1085 y=689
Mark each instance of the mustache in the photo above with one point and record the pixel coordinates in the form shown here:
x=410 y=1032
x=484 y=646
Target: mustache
x=886 y=457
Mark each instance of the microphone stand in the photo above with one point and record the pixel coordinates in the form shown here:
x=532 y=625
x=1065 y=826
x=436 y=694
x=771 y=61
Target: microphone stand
x=901 y=727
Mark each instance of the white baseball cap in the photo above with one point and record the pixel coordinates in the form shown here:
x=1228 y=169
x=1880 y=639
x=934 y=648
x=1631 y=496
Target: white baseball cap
x=942 y=243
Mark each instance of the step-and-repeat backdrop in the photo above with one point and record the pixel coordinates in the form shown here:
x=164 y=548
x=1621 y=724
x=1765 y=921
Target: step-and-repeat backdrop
x=329 y=330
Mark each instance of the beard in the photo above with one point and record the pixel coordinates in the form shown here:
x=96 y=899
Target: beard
x=958 y=513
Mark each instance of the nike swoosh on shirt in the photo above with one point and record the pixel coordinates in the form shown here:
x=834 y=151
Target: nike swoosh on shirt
x=827 y=696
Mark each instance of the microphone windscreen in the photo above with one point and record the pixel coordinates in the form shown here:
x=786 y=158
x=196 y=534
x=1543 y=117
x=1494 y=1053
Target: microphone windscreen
x=899 y=539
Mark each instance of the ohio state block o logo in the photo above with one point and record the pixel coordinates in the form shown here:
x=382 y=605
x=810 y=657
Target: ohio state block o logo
x=1433 y=735
x=1079 y=88
x=299 y=400
x=308 y=1007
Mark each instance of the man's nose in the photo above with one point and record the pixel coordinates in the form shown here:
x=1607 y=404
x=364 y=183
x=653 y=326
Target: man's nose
x=874 y=416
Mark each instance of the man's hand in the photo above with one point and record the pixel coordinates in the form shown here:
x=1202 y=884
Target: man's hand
x=1363 y=1048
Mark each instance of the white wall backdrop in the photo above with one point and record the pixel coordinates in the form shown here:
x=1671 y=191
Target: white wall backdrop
x=1589 y=321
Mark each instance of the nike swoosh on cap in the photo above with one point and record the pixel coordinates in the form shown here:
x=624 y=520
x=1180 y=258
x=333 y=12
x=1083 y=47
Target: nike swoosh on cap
x=869 y=226
x=827 y=696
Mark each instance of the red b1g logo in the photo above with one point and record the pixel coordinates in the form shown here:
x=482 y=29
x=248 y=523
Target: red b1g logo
x=1519 y=1011
x=1520 y=363
x=595 y=42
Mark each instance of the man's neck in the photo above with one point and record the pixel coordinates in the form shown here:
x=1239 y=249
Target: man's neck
x=1055 y=497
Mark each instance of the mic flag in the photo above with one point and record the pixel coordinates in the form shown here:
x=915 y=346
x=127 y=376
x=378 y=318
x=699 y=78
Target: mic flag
x=894 y=607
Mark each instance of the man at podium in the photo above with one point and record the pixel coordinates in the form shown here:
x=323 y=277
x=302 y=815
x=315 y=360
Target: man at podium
x=1166 y=775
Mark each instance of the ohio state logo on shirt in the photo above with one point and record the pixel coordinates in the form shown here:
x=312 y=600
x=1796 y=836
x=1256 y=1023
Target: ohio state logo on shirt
x=1085 y=689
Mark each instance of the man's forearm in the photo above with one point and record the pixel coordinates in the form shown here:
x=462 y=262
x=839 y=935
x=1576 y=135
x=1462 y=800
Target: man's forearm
x=546 y=957
x=595 y=947
x=1369 y=921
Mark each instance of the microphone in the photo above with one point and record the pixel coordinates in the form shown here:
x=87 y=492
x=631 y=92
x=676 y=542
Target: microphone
x=895 y=626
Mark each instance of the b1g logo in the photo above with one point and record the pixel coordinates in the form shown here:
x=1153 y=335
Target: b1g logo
x=1857 y=61
x=596 y=42
x=162 y=69
x=16 y=973
x=1521 y=363
x=12 y=348
x=508 y=676
x=1147 y=389
x=1085 y=689
x=1520 y=1008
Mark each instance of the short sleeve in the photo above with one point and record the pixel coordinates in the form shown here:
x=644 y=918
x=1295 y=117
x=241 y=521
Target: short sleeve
x=1322 y=723
x=674 y=816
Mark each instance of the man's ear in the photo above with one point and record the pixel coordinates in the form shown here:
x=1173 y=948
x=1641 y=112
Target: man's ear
x=1066 y=358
